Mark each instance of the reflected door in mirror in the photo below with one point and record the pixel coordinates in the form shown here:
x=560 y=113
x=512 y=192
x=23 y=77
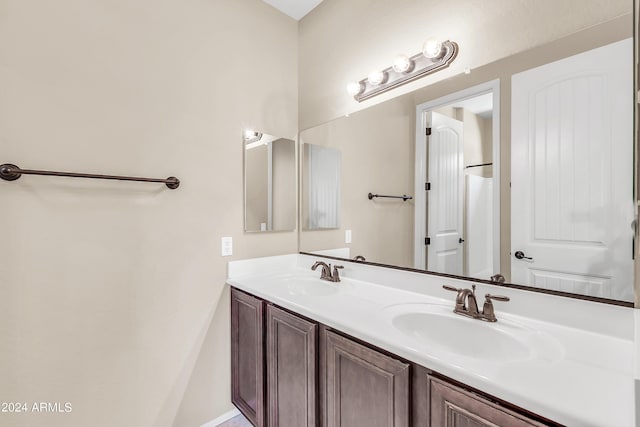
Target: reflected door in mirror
x=445 y=198
x=572 y=174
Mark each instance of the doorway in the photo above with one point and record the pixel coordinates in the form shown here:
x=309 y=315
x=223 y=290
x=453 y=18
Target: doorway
x=457 y=221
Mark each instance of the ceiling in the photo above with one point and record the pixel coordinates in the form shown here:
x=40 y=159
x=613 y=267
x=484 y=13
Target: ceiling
x=480 y=105
x=296 y=9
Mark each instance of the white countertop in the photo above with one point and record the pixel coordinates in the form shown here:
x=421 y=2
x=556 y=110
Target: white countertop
x=581 y=373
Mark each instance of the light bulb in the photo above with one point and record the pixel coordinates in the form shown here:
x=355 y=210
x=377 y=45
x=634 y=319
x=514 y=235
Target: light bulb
x=432 y=48
x=355 y=88
x=248 y=134
x=377 y=78
x=402 y=64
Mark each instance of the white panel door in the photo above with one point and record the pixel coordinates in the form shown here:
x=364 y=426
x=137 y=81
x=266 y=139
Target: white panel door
x=571 y=174
x=445 y=199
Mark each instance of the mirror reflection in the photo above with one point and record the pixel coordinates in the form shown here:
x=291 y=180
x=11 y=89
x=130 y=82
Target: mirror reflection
x=270 y=182
x=459 y=206
x=521 y=171
x=322 y=167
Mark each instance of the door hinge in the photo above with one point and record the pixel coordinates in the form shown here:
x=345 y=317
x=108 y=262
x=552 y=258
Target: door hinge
x=428 y=131
x=427 y=241
x=427 y=186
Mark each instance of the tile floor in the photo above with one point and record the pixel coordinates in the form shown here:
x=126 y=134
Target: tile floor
x=237 y=421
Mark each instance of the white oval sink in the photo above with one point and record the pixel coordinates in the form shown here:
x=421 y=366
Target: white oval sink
x=436 y=326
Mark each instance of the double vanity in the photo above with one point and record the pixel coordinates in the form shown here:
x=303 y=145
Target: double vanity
x=389 y=347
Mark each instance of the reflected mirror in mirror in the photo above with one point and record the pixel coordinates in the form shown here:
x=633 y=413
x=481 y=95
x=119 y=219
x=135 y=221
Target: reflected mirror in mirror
x=533 y=188
x=269 y=182
x=322 y=168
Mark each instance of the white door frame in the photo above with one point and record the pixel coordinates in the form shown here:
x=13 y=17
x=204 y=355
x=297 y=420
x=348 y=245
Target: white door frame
x=420 y=219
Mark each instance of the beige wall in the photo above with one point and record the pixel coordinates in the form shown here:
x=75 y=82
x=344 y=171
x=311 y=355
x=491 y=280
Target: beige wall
x=377 y=147
x=112 y=293
x=477 y=143
x=477 y=137
x=342 y=41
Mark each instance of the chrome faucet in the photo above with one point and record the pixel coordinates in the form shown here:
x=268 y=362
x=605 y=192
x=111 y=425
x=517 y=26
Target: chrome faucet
x=498 y=278
x=326 y=271
x=467 y=305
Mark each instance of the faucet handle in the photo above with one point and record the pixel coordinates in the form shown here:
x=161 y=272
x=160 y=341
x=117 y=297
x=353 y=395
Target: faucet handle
x=488 y=313
x=451 y=288
x=489 y=297
x=335 y=277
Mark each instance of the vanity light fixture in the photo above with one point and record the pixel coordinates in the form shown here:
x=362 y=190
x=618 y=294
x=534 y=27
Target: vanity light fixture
x=376 y=78
x=250 y=137
x=403 y=64
x=355 y=88
x=435 y=56
x=432 y=48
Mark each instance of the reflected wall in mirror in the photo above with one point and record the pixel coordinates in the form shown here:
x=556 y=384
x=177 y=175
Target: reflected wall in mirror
x=321 y=183
x=269 y=183
x=552 y=204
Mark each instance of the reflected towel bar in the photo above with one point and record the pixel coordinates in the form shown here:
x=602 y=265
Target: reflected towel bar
x=404 y=197
x=11 y=172
x=477 y=166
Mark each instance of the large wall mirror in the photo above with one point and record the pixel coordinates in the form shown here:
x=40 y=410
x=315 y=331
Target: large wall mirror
x=520 y=172
x=269 y=182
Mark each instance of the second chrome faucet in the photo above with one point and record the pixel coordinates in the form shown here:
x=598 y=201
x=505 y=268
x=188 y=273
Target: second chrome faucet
x=467 y=305
x=326 y=273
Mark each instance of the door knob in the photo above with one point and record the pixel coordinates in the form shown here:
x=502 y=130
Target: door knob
x=461 y=240
x=520 y=255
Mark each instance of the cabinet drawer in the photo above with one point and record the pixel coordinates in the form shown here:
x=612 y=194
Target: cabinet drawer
x=452 y=406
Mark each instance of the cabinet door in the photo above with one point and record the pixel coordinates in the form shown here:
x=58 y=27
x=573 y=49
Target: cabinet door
x=362 y=387
x=291 y=370
x=452 y=406
x=247 y=356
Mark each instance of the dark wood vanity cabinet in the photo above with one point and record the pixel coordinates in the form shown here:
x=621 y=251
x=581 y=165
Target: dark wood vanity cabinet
x=247 y=356
x=453 y=406
x=361 y=387
x=288 y=371
x=292 y=361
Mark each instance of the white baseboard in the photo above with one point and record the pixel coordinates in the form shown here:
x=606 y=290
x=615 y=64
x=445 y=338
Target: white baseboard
x=222 y=418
